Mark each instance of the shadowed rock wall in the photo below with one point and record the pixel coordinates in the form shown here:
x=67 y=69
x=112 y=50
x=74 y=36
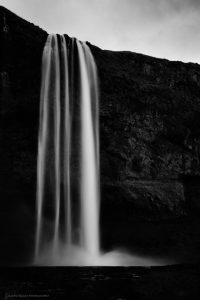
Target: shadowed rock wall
x=21 y=46
x=150 y=131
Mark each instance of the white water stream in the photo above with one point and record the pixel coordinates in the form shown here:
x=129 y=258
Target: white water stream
x=55 y=242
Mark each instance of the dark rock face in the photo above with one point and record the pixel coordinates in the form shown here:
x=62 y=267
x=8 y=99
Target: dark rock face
x=20 y=68
x=149 y=130
x=20 y=65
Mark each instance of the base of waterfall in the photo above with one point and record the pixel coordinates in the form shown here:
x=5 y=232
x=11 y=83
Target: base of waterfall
x=77 y=256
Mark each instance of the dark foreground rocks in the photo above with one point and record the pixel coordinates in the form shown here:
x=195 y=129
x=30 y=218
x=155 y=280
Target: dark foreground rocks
x=174 y=282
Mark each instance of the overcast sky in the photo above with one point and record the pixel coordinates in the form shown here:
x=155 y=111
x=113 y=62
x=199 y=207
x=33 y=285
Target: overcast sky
x=161 y=28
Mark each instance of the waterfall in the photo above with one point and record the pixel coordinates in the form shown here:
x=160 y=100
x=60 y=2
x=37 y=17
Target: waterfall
x=67 y=140
x=68 y=179
x=55 y=226
x=89 y=152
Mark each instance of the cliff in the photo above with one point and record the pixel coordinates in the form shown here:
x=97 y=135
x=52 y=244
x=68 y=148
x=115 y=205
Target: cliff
x=149 y=130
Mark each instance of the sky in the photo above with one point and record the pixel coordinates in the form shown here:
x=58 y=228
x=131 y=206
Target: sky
x=161 y=28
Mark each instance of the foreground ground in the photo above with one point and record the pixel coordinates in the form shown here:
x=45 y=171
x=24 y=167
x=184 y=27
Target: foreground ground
x=101 y=283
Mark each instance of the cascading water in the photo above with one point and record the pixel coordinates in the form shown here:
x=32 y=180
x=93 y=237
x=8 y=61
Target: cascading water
x=67 y=140
x=54 y=148
x=67 y=229
x=48 y=168
x=89 y=152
